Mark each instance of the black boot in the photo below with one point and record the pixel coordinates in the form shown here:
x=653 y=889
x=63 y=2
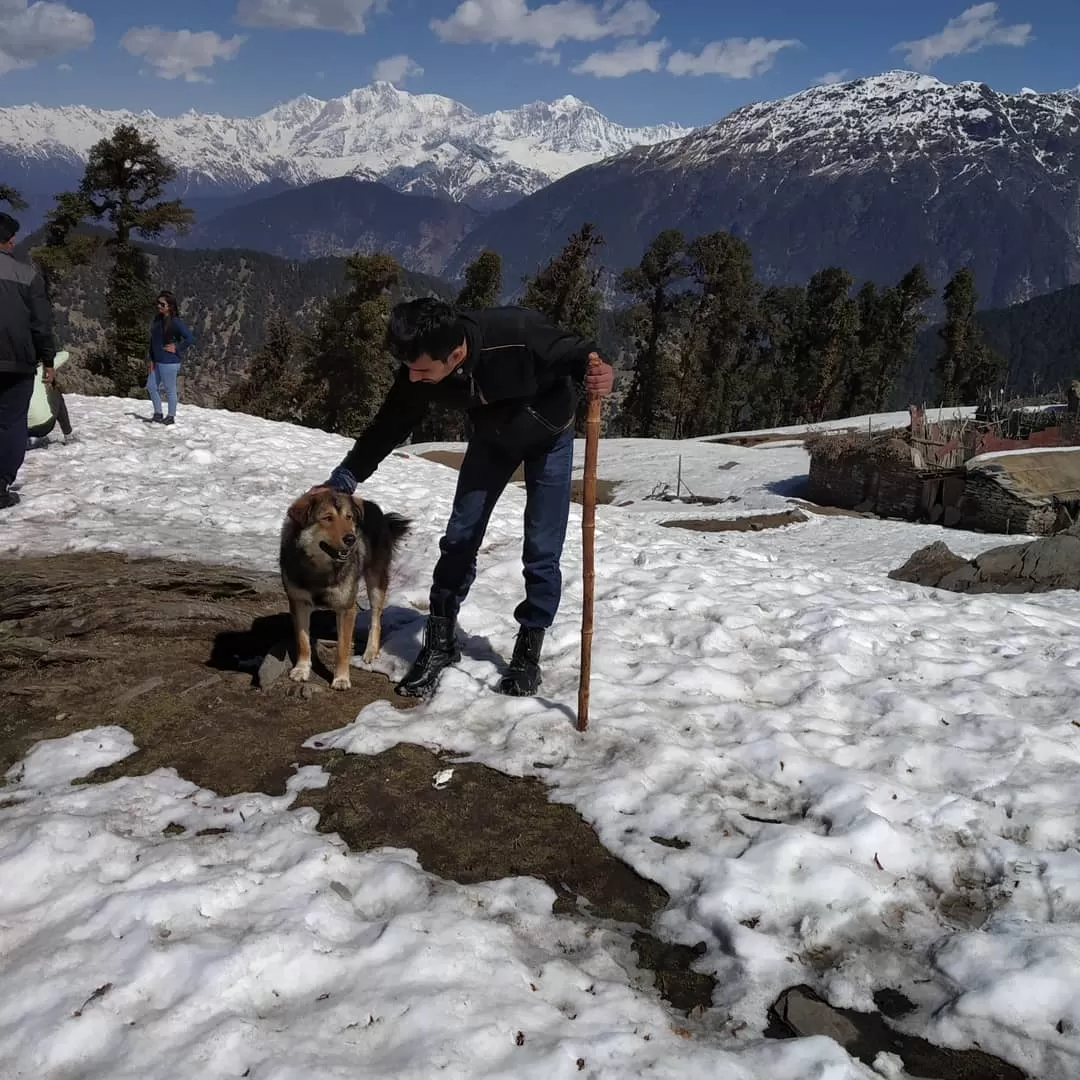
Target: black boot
x=440 y=650
x=522 y=678
x=7 y=496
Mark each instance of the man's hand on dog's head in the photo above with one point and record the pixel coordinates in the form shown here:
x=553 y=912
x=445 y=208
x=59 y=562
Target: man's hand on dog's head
x=599 y=376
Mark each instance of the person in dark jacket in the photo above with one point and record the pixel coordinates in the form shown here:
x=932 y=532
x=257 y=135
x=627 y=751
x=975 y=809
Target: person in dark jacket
x=517 y=376
x=26 y=340
x=170 y=338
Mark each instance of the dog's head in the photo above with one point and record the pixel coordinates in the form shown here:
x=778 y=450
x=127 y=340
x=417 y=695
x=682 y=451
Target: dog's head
x=331 y=518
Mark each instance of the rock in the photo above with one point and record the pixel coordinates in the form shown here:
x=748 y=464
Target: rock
x=807 y=1014
x=930 y=566
x=1051 y=562
x=274 y=664
x=799 y=1012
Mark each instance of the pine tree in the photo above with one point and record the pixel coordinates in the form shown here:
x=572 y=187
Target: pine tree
x=123 y=187
x=272 y=387
x=348 y=371
x=904 y=318
x=831 y=342
x=726 y=317
x=651 y=406
x=10 y=196
x=483 y=281
x=565 y=290
x=775 y=398
x=967 y=369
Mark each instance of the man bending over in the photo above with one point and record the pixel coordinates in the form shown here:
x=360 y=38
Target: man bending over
x=516 y=375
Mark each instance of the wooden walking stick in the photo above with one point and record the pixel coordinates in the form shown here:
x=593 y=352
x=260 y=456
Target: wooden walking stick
x=588 y=538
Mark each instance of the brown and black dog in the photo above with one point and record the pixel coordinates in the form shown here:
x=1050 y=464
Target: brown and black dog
x=328 y=542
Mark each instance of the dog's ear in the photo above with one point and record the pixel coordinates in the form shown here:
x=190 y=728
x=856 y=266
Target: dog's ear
x=358 y=508
x=302 y=510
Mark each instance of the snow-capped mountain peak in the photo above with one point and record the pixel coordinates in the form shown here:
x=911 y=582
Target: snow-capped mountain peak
x=895 y=114
x=414 y=142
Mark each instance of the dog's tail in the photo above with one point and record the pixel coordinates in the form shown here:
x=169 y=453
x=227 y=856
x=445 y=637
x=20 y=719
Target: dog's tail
x=397 y=526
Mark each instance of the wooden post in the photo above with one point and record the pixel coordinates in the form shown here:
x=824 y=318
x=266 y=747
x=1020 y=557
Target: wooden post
x=588 y=540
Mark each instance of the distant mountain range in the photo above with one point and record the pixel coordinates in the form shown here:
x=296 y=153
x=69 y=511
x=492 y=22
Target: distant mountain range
x=874 y=174
x=417 y=143
x=333 y=217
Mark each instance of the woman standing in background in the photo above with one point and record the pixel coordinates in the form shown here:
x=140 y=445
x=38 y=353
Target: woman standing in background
x=170 y=338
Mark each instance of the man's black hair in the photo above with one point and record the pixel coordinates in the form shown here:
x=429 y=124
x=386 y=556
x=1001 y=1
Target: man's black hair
x=8 y=228
x=425 y=326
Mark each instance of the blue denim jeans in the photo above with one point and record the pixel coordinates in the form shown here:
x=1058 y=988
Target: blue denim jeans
x=167 y=374
x=484 y=474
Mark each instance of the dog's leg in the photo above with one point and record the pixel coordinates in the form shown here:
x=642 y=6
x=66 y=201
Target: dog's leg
x=376 y=591
x=346 y=625
x=301 y=616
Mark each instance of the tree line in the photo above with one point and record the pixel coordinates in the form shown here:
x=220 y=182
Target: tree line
x=704 y=346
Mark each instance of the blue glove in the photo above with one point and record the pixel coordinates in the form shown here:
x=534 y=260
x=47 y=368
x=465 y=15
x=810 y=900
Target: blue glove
x=342 y=480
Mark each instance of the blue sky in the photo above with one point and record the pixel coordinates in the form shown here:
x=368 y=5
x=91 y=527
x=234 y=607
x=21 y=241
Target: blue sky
x=638 y=61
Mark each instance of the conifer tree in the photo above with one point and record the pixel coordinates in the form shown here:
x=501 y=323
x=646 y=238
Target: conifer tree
x=348 y=371
x=782 y=330
x=651 y=406
x=722 y=267
x=565 y=290
x=831 y=341
x=272 y=387
x=483 y=281
x=967 y=369
x=123 y=188
x=13 y=199
x=904 y=318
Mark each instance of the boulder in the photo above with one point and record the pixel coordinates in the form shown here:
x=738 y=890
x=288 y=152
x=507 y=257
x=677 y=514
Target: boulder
x=1051 y=562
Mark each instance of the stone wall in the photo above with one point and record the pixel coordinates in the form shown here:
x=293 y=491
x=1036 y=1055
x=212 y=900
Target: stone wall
x=858 y=481
x=990 y=506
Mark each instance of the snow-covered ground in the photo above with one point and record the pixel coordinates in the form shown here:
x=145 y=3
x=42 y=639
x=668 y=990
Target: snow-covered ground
x=917 y=749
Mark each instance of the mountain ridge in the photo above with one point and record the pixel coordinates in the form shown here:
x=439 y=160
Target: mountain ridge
x=873 y=174
x=422 y=143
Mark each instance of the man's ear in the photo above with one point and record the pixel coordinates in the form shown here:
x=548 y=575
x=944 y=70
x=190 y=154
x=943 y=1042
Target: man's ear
x=302 y=510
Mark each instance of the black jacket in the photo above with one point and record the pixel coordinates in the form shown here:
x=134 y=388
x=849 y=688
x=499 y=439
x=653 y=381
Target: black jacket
x=26 y=336
x=518 y=384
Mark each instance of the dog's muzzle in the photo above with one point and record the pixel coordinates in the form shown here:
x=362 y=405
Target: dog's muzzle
x=349 y=540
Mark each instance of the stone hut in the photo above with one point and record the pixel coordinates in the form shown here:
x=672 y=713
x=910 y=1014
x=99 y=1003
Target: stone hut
x=1032 y=492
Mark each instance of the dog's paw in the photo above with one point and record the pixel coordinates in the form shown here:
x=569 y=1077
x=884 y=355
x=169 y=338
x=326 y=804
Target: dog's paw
x=369 y=655
x=300 y=673
x=341 y=682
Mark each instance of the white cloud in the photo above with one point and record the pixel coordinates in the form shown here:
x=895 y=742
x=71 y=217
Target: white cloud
x=64 y=67
x=830 y=78
x=625 y=59
x=178 y=54
x=30 y=32
x=735 y=58
x=976 y=28
x=546 y=56
x=345 y=16
x=513 y=22
x=396 y=69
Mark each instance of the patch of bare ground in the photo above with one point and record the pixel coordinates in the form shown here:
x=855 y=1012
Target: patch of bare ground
x=605 y=489
x=751 y=523
x=169 y=651
x=756 y=440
